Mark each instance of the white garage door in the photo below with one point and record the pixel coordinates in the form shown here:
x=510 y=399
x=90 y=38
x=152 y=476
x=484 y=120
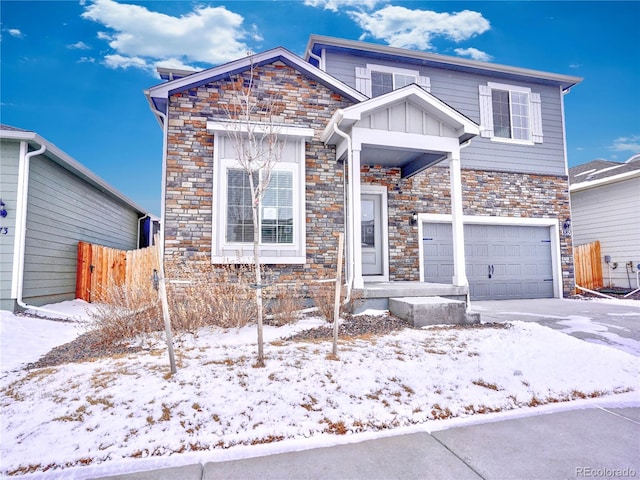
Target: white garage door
x=503 y=261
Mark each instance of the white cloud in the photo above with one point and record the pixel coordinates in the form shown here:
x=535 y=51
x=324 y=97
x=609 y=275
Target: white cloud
x=406 y=28
x=575 y=65
x=626 y=144
x=335 y=5
x=79 y=46
x=473 y=53
x=87 y=60
x=118 y=61
x=15 y=32
x=141 y=37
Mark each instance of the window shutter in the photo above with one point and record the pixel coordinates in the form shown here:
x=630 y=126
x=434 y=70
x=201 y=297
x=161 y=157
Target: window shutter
x=363 y=81
x=425 y=82
x=486 y=115
x=536 y=118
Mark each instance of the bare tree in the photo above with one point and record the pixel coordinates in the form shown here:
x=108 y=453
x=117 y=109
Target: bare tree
x=254 y=135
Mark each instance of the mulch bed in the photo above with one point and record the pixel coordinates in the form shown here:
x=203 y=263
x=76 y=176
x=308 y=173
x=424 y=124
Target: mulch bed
x=86 y=347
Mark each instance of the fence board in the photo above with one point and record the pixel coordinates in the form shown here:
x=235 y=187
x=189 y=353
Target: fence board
x=101 y=269
x=588 y=265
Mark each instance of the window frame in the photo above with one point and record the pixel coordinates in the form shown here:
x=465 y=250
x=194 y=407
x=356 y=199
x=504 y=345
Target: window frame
x=364 y=81
x=534 y=115
x=228 y=164
x=294 y=160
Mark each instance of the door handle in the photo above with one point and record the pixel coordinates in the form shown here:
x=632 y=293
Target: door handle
x=491 y=270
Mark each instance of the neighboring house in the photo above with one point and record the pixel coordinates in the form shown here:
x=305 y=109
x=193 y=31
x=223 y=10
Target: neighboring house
x=605 y=206
x=50 y=202
x=442 y=171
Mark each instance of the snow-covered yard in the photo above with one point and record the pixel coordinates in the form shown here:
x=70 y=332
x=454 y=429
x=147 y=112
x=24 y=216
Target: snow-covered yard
x=113 y=410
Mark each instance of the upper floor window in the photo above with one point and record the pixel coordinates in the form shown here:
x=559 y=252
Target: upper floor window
x=510 y=113
x=376 y=80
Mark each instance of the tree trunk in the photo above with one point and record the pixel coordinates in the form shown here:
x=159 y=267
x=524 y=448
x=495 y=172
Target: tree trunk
x=256 y=258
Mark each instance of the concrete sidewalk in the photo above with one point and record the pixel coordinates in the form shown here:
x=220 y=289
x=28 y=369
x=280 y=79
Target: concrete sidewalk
x=592 y=442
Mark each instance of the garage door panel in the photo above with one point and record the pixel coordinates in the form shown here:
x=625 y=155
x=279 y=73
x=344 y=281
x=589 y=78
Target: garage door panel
x=520 y=257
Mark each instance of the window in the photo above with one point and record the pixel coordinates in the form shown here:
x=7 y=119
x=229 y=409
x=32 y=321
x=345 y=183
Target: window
x=275 y=212
x=510 y=113
x=281 y=213
x=376 y=80
x=382 y=82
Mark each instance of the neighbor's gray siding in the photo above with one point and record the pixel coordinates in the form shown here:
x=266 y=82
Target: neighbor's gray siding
x=9 y=159
x=610 y=214
x=62 y=210
x=460 y=91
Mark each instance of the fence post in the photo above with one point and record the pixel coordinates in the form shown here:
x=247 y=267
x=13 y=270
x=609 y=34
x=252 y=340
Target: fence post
x=162 y=290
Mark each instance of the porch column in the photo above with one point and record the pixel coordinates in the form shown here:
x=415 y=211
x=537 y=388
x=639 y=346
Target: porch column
x=356 y=217
x=459 y=269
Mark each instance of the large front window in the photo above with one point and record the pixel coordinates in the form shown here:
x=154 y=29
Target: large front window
x=281 y=232
x=375 y=80
x=275 y=215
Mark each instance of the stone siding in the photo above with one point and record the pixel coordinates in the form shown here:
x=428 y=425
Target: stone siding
x=190 y=199
x=485 y=193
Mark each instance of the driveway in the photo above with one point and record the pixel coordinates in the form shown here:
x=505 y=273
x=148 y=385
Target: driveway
x=613 y=323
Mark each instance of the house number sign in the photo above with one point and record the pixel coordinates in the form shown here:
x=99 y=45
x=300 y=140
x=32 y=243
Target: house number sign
x=3 y=214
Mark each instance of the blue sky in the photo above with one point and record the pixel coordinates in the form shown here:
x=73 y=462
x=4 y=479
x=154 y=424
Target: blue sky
x=75 y=72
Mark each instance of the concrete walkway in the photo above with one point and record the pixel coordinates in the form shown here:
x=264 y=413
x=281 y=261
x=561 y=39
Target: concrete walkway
x=585 y=443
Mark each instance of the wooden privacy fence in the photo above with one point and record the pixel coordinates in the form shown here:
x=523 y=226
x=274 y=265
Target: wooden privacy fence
x=101 y=269
x=588 y=266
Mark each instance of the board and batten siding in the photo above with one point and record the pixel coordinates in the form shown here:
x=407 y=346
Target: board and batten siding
x=460 y=91
x=611 y=214
x=63 y=209
x=9 y=159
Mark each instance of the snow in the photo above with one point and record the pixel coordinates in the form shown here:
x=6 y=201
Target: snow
x=128 y=413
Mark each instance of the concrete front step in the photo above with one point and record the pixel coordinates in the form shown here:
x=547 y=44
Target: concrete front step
x=423 y=311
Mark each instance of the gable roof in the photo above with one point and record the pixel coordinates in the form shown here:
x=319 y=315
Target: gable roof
x=601 y=172
x=375 y=51
x=413 y=93
x=182 y=80
x=56 y=155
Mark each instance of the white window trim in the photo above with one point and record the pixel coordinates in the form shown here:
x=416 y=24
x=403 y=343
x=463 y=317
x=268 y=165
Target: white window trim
x=486 y=114
x=384 y=207
x=363 y=77
x=219 y=243
x=551 y=223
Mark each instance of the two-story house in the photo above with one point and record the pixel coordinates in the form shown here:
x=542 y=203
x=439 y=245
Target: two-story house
x=447 y=175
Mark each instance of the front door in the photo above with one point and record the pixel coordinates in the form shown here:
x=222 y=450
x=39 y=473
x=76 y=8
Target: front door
x=371 y=231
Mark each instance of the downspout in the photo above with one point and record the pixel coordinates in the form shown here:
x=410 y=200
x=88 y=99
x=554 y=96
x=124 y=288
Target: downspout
x=318 y=58
x=165 y=130
x=140 y=220
x=21 y=231
x=344 y=135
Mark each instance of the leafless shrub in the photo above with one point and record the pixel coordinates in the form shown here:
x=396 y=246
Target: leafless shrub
x=283 y=302
x=125 y=313
x=323 y=297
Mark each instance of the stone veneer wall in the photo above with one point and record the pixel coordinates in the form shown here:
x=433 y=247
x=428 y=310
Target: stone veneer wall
x=190 y=200
x=485 y=193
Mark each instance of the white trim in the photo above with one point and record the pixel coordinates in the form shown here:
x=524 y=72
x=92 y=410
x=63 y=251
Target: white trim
x=504 y=86
x=369 y=189
x=576 y=187
x=552 y=223
x=285 y=130
x=219 y=244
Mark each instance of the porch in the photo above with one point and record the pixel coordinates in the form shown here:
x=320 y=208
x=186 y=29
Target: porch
x=376 y=295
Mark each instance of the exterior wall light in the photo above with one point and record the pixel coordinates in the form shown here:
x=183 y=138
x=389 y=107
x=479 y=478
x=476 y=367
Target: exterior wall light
x=566 y=227
x=414 y=218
